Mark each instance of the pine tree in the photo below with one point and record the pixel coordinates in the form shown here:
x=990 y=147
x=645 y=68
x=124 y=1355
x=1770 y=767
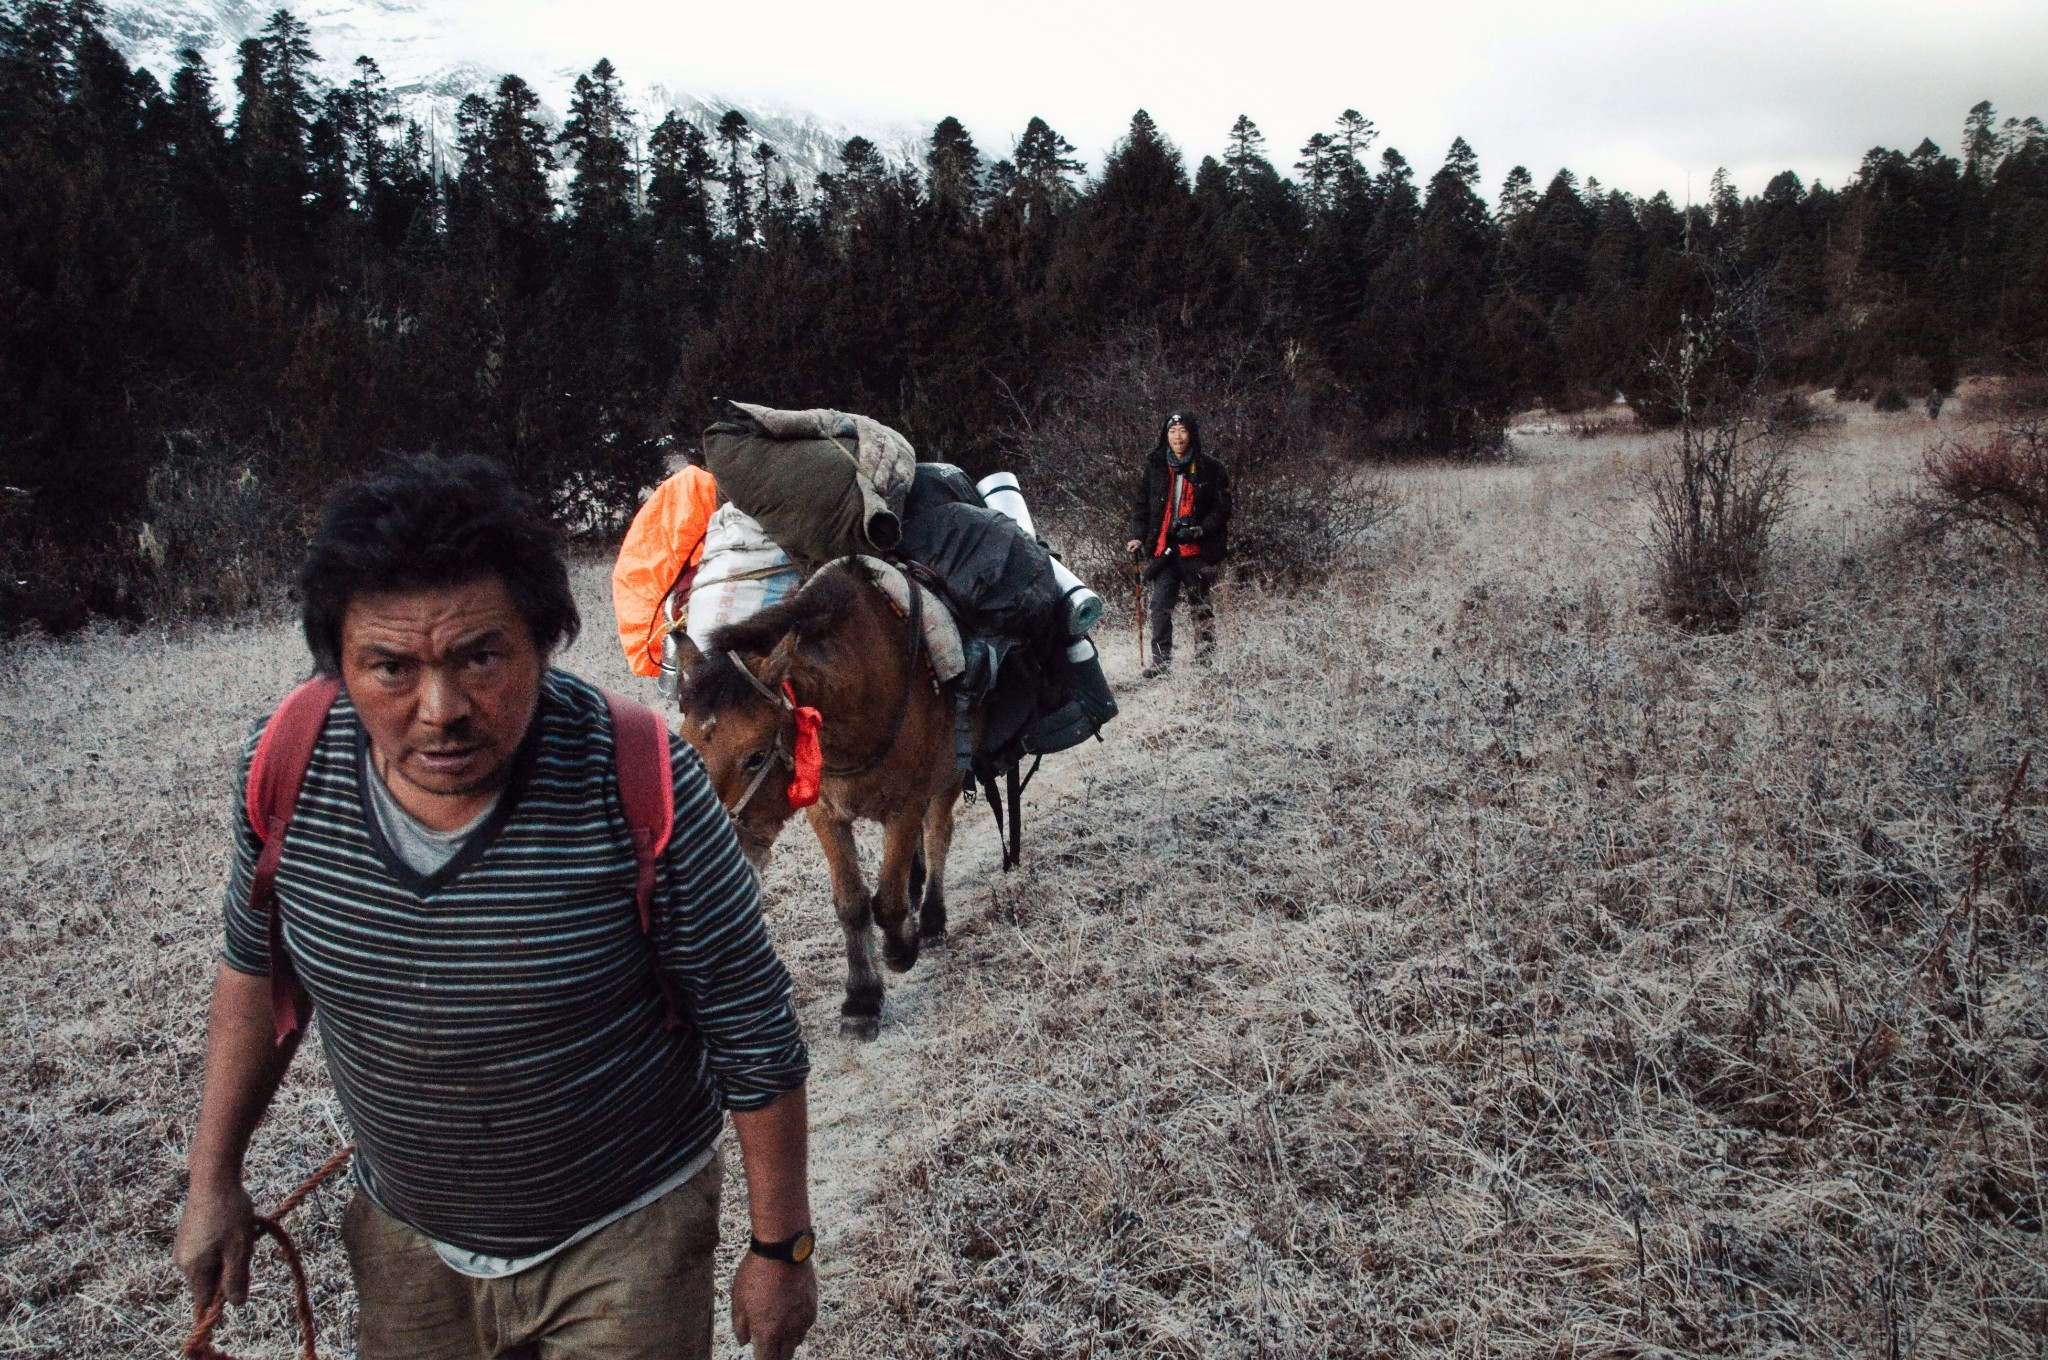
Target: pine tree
x=679 y=201
x=271 y=137
x=602 y=191
x=517 y=158
x=765 y=158
x=1457 y=382
x=733 y=134
x=1726 y=206
x=1399 y=207
x=1250 y=228
x=1133 y=254
x=1318 y=168
x=1980 y=142
x=1517 y=195
x=1044 y=160
x=1247 y=148
x=1354 y=137
x=364 y=113
x=198 y=146
x=953 y=170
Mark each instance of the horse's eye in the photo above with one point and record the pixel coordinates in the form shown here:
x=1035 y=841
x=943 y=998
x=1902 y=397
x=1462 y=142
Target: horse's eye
x=753 y=763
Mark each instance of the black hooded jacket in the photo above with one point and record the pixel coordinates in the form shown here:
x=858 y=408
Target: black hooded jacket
x=1212 y=498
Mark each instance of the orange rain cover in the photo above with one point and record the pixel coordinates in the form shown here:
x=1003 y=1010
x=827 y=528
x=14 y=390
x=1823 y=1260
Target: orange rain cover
x=666 y=540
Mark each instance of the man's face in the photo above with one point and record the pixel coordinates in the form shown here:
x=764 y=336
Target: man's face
x=446 y=681
x=1178 y=439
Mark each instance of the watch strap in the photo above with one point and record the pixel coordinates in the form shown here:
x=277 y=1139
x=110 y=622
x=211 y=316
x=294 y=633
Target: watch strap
x=795 y=1249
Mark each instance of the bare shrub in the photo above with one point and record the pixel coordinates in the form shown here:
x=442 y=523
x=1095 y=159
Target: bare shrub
x=1726 y=483
x=219 y=536
x=1303 y=499
x=1295 y=529
x=1999 y=482
x=49 y=579
x=2018 y=396
x=1603 y=422
x=1796 y=412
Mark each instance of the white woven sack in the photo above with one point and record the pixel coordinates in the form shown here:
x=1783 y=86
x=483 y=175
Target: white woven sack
x=736 y=545
x=717 y=603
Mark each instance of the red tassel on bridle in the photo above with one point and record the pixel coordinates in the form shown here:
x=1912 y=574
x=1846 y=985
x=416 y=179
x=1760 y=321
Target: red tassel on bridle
x=807 y=775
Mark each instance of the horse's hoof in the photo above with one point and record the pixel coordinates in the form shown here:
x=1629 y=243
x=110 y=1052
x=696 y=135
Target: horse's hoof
x=899 y=957
x=931 y=935
x=861 y=1027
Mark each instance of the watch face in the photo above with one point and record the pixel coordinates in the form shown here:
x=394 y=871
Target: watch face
x=800 y=1250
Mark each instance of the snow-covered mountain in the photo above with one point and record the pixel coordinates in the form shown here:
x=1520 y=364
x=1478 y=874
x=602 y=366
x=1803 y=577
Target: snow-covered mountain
x=422 y=54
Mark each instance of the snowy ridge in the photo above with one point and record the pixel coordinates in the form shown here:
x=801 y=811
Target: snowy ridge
x=417 y=50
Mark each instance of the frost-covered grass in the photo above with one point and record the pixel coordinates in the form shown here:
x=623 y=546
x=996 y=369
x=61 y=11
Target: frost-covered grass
x=1467 y=964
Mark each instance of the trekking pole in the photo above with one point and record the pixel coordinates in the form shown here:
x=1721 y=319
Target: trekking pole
x=1138 y=589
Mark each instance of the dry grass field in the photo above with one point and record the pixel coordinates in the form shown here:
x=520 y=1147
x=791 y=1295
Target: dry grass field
x=1467 y=964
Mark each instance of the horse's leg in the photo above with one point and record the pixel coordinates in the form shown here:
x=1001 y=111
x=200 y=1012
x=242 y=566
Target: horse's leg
x=938 y=843
x=860 y=1014
x=900 y=839
x=915 y=892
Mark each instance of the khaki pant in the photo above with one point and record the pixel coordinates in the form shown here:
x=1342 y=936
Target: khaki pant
x=638 y=1290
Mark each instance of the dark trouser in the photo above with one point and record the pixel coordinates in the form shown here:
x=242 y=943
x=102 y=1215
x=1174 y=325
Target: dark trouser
x=1171 y=578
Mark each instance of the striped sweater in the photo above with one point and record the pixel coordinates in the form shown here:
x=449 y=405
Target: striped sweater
x=496 y=1031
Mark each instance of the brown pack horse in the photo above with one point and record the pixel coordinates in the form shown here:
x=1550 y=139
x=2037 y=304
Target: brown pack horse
x=840 y=647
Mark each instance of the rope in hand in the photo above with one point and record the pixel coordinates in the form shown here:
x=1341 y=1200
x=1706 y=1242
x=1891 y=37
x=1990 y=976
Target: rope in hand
x=199 y=1345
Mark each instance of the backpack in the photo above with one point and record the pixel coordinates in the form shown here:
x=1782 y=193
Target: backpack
x=665 y=540
x=646 y=792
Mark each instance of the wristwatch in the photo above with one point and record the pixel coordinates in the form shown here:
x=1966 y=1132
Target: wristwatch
x=795 y=1250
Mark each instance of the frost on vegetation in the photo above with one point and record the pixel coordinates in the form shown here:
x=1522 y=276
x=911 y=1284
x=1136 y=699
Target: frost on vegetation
x=1466 y=962
x=1464 y=968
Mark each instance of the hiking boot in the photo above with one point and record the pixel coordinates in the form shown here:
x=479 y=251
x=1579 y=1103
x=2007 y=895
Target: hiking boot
x=1155 y=670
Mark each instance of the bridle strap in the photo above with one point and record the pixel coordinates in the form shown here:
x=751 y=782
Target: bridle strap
x=781 y=701
x=779 y=756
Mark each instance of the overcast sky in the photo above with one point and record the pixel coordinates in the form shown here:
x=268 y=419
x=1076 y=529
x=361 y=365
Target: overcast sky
x=1638 y=94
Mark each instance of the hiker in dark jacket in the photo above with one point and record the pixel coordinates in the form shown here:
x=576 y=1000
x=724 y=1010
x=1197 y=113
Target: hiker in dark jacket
x=1180 y=529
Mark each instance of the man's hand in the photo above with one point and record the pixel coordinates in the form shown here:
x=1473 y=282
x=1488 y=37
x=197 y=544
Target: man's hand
x=1134 y=547
x=214 y=1239
x=774 y=1304
x=244 y=1063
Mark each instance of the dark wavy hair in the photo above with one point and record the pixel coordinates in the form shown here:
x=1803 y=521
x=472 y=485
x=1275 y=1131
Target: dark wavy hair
x=425 y=523
x=1186 y=418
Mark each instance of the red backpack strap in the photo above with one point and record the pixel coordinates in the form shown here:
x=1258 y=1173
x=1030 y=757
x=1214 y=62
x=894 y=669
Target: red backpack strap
x=275 y=774
x=646 y=791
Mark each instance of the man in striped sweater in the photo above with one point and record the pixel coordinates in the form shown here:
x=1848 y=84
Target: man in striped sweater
x=536 y=1084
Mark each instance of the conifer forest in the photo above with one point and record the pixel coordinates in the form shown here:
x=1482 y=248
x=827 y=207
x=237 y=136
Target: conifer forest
x=216 y=302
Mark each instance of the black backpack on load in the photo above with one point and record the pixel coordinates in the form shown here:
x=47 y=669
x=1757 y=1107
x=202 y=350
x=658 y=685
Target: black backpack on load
x=998 y=581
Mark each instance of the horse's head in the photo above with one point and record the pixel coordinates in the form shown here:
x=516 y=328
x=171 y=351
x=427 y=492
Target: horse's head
x=745 y=738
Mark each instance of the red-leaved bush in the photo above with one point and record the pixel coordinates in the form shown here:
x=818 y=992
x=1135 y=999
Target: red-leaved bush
x=2000 y=481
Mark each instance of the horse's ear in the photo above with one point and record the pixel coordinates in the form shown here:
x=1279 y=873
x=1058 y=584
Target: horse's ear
x=776 y=668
